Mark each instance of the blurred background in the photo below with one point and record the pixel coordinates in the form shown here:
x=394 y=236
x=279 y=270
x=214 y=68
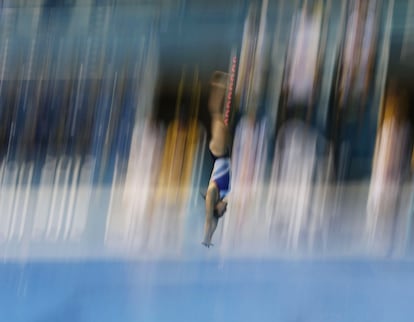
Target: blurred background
x=104 y=133
x=104 y=127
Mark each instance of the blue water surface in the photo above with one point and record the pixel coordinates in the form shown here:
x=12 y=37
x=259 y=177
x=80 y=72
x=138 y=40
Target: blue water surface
x=291 y=291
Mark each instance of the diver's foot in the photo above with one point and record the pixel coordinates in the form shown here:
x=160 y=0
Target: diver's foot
x=219 y=79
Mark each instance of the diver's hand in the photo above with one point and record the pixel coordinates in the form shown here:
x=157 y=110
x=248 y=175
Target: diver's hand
x=207 y=244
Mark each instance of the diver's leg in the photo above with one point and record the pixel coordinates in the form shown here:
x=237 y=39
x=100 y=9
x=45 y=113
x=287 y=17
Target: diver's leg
x=210 y=225
x=219 y=131
x=217 y=93
x=219 y=143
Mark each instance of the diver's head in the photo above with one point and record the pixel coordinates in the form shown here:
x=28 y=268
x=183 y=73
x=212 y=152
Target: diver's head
x=220 y=208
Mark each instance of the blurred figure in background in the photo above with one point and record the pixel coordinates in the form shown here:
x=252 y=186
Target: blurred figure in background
x=391 y=159
x=359 y=52
x=219 y=185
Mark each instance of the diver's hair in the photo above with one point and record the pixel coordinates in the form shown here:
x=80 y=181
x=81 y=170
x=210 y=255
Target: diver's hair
x=215 y=213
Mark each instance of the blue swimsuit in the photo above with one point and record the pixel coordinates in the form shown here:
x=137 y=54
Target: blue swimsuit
x=221 y=175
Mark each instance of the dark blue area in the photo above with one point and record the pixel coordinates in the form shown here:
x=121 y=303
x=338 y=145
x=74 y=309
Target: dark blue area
x=207 y=291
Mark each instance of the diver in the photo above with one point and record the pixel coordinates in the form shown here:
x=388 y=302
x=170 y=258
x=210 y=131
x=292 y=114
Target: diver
x=219 y=146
